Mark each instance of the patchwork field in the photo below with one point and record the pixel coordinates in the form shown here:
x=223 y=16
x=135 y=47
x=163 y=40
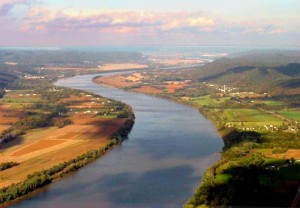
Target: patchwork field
x=42 y=148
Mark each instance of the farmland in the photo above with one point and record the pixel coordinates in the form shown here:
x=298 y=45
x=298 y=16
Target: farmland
x=250 y=115
x=206 y=100
x=77 y=122
x=291 y=114
x=139 y=82
x=12 y=107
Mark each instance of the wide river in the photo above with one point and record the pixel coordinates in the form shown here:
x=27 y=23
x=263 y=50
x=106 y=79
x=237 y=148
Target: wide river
x=159 y=165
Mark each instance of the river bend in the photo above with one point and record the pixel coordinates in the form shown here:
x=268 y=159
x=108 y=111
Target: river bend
x=159 y=165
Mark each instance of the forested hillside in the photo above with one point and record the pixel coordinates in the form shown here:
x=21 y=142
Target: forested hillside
x=276 y=74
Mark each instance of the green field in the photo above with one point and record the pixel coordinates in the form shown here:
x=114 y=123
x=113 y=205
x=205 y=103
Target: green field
x=249 y=115
x=207 y=100
x=20 y=96
x=270 y=102
x=21 y=100
x=294 y=115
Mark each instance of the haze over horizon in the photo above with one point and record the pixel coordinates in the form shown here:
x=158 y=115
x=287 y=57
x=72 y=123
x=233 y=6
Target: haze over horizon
x=191 y=22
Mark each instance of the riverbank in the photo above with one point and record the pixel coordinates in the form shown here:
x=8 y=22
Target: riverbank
x=87 y=128
x=252 y=154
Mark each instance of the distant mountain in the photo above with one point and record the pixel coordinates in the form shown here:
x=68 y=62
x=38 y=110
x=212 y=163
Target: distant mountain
x=68 y=57
x=275 y=73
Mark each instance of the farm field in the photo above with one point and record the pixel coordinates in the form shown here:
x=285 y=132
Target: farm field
x=115 y=80
x=251 y=119
x=249 y=115
x=93 y=120
x=147 y=89
x=207 y=100
x=171 y=88
x=44 y=148
x=291 y=114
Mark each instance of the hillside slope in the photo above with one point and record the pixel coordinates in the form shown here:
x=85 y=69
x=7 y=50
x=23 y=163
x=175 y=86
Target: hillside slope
x=275 y=73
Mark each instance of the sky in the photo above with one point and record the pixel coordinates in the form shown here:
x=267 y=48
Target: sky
x=39 y=23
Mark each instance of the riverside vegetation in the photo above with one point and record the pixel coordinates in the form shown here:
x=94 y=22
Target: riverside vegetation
x=260 y=163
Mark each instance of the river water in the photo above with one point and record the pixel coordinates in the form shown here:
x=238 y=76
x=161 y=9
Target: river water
x=159 y=165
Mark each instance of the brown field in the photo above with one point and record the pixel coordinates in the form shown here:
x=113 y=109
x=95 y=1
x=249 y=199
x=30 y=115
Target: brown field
x=115 y=80
x=42 y=144
x=147 y=89
x=9 y=116
x=295 y=153
x=43 y=148
x=121 y=66
x=172 y=87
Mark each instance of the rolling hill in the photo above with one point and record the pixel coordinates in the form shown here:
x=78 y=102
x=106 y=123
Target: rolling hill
x=276 y=73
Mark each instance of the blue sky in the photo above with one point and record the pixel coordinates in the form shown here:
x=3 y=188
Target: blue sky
x=149 y=22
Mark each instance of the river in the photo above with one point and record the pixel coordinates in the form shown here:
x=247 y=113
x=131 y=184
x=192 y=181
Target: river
x=159 y=165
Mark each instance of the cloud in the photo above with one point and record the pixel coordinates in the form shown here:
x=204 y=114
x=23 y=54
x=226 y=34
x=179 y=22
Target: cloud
x=108 y=20
x=111 y=26
x=7 y=5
